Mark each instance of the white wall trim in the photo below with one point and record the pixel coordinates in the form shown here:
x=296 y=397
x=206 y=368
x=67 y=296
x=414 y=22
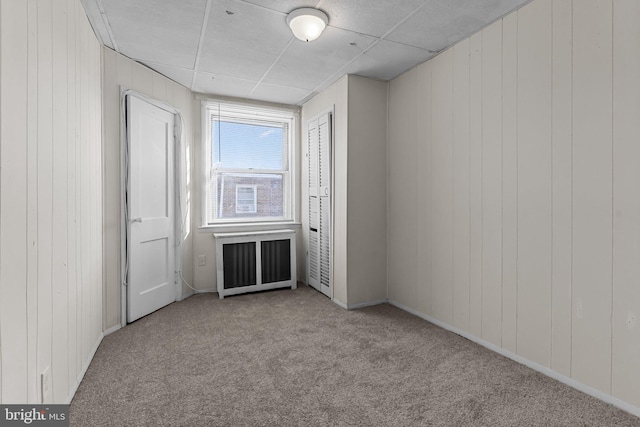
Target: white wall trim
x=72 y=392
x=605 y=397
x=340 y=303
x=112 y=329
x=360 y=304
x=367 y=304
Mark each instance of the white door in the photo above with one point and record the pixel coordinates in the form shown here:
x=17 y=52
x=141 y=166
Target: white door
x=319 y=251
x=151 y=279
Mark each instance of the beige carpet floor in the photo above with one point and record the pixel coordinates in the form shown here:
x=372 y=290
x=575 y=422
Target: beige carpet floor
x=294 y=358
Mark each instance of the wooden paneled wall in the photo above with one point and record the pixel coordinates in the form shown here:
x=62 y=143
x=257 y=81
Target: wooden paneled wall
x=514 y=190
x=50 y=198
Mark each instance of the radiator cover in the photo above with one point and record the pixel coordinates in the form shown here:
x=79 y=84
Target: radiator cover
x=255 y=261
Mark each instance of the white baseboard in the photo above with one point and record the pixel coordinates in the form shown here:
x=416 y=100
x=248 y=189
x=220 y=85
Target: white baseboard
x=359 y=305
x=367 y=304
x=112 y=329
x=87 y=362
x=605 y=397
x=340 y=303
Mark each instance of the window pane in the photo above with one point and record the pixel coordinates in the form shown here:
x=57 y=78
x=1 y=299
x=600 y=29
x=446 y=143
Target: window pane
x=248 y=156
x=247 y=146
x=245 y=195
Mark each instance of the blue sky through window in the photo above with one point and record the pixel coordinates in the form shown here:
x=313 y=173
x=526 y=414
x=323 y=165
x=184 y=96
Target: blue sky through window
x=246 y=146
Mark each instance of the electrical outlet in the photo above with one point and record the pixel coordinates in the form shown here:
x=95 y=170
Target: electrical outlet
x=45 y=384
x=202 y=260
x=632 y=318
x=579 y=310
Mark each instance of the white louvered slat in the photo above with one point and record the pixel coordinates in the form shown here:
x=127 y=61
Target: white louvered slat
x=324 y=160
x=313 y=139
x=314 y=213
x=325 y=269
x=314 y=273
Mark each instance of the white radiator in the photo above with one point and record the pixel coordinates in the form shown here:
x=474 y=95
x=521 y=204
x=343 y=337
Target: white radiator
x=255 y=261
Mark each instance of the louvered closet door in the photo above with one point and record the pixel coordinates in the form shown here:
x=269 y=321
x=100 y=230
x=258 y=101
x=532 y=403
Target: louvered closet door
x=319 y=251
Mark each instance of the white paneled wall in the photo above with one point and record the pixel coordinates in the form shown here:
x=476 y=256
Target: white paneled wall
x=359 y=187
x=625 y=349
x=121 y=73
x=514 y=191
x=50 y=198
x=366 y=209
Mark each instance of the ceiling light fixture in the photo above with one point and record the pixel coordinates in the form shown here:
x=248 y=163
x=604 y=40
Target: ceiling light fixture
x=307 y=23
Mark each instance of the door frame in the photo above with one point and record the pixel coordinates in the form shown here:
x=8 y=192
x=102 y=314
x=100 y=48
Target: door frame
x=124 y=172
x=331 y=112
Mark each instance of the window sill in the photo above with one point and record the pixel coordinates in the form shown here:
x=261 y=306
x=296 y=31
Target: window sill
x=249 y=226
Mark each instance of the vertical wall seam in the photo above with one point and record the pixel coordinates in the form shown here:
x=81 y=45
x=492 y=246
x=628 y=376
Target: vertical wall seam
x=572 y=252
x=552 y=269
x=51 y=284
x=612 y=318
x=481 y=56
x=517 y=41
x=69 y=385
x=35 y=269
x=430 y=121
x=469 y=187
x=388 y=185
x=501 y=181
x=453 y=189
x=0 y=200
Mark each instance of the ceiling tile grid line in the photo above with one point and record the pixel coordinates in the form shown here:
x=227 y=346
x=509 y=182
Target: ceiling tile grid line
x=248 y=3
x=203 y=32
x=339 y=71
x=336 y=74
x=284 y=49
x=405 y=19
x=332 y=77
x=244 y=48
x=152 y=64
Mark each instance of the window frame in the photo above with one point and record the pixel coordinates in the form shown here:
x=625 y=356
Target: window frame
x=252 y=113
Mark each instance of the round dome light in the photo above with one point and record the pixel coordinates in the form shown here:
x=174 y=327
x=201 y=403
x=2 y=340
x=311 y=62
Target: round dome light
x=307 y=23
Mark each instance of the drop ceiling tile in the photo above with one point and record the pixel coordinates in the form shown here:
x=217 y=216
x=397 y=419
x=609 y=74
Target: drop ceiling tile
x=442 y=23
x=252 y=45
x=280 y=94
x=371 y=17
x=178 y=75
x=166 y=32
x=308 y=65
x=387 y=60
x=282 y=6
x=223 y=85
x=245 y=43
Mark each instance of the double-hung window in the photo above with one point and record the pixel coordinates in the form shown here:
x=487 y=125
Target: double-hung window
x=248 y=163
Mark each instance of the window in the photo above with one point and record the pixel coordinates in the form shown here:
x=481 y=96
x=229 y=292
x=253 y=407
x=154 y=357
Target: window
x=248 y=158
x=246 y=199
